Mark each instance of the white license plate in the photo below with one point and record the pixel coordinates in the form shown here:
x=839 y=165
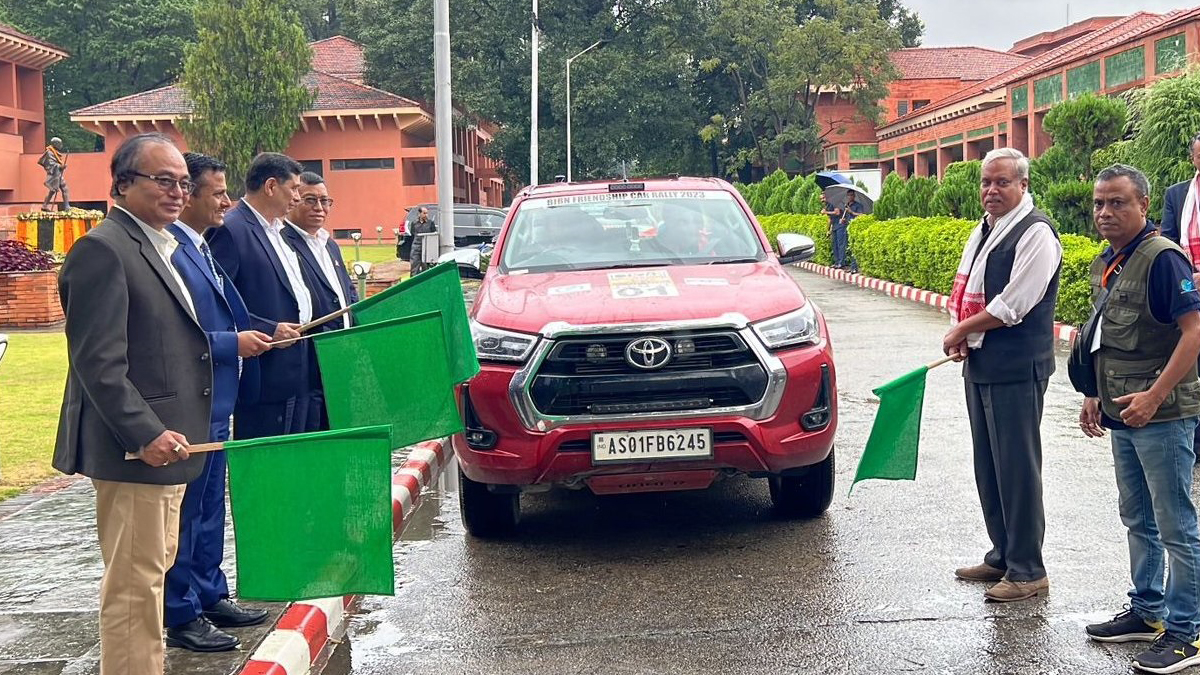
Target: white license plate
x=651 y=445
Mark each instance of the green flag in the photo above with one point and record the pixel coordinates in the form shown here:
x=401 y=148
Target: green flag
x=392 y=372
x=312 y=514
x=438 y=289
x=891 y=451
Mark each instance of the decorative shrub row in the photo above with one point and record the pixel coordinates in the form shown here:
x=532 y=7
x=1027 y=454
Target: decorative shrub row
x=924 y=252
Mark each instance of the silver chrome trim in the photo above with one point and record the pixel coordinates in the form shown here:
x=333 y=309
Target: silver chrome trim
x=533 y=420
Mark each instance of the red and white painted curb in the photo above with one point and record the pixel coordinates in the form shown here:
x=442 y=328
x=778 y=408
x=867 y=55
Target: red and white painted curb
x=307 y=628
x=1062 y=331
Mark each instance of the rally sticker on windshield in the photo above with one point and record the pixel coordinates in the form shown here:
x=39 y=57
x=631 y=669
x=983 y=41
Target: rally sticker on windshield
x=625 y=196
x=642 y=284
x=568 y=290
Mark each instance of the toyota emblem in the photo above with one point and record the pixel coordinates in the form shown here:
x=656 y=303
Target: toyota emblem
x=648 y=353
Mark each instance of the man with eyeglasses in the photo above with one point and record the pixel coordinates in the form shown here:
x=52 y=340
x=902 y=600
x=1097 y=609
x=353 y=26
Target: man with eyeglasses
x=324 y=274
x=139 y=385
x=252 y=250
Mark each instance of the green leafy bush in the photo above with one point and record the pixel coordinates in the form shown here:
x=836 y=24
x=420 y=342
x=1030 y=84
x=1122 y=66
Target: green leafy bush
x=958 y=194
x=1070 y=204
x=1083 y=124
x=1116 y=153
x=917 y=198
x=887 y=207
x=807 y=198
x=1168 y=116
x=1052 y=167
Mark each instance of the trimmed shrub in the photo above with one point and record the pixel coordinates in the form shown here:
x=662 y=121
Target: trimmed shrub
x=16 y=256
x=1052 y=167
x=887 y=207
x=1070 y=204
x=958 y=194
x=917 y=198
x=1117 y=153
x=1084 y=123
x=815 y=227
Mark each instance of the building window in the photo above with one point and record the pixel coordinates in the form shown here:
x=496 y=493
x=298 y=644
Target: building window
x=901 y=108
x=1170 y=54
x=314 y=165
x=1125 y=67
x=351 y=164
x=917 y=105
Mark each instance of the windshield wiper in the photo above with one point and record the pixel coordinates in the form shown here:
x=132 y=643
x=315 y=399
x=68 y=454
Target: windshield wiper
x=629 y=265
x=724 y=261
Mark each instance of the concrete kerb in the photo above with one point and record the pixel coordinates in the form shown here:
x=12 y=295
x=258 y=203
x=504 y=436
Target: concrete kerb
x=1062 y=331
x=306 y=630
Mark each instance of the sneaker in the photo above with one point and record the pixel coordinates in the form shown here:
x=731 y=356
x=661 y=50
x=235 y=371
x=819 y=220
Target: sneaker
x=1125 y=627
x=1169 y=654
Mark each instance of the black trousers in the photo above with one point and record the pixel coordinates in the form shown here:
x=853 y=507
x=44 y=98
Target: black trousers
x=1005 y=420
x=270 y=419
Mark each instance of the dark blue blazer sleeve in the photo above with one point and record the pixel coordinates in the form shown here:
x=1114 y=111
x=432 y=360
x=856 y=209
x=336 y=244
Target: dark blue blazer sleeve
x=1172 y=208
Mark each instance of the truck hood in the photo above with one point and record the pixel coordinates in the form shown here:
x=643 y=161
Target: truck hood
x=527 y=302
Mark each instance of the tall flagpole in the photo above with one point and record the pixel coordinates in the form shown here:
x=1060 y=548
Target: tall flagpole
x=533 y=100
x=442 y=112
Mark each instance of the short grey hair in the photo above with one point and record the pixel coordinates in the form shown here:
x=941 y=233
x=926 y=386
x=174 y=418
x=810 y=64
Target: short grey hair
x=1015 y=155
x=1140 y=183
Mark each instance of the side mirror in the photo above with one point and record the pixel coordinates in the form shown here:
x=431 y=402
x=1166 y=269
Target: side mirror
x=794 y=248
x=3 y=345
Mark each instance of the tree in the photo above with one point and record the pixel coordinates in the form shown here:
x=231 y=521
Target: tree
x=888 y=204
x=1169 y=117
x=917 y=198
x=958 y=194
x=1082 y=124
x=1052 y=167
x=117 y=48
x=244 y=78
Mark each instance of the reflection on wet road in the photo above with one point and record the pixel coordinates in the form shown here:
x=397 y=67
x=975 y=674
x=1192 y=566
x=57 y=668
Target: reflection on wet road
x=709 y=581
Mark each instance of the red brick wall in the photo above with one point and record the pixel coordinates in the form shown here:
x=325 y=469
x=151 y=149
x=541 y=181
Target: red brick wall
x=916 y=90
x=29 y=299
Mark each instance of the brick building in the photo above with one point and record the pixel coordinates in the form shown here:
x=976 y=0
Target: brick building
x=1001 y=98
x=375 y=149
x=23 y=58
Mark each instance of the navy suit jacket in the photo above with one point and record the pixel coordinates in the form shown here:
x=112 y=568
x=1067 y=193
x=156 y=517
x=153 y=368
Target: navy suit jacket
x=325 y=299
x=1173 y=210
x=248 y=259
x=221 y=315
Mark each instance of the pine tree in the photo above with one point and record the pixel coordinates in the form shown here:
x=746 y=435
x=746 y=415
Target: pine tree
x=244 y=77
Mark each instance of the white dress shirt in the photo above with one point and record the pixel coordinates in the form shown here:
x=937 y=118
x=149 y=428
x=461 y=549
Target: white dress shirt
x=318 y=244
x=164 y=244
x=1035 y=262
x=291 y=264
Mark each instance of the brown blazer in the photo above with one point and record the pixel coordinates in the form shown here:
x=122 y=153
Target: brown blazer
x=138 y=363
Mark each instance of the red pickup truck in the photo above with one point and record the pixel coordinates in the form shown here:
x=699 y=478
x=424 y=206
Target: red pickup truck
x=643 y=336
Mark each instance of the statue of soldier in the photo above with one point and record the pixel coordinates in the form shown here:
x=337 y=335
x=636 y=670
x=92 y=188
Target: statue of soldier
x=54 y=161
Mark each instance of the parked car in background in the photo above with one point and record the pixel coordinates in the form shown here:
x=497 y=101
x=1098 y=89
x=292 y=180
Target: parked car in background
x=473 y=224
x=640 y=337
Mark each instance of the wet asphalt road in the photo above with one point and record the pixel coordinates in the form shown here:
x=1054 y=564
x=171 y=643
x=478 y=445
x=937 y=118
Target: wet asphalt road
x=709 y=581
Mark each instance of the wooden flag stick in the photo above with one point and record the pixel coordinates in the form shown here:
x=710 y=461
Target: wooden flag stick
x=192 y=449
x=305 y=327
x=289 y=341
x=939 y=362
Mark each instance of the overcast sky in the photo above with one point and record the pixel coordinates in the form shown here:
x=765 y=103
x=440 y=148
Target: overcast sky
x=1000 y=23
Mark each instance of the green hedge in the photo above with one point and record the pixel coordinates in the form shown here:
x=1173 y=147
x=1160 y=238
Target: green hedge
x=924 y=252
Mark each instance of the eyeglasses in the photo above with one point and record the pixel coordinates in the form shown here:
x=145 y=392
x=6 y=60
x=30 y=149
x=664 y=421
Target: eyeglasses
x=312 y=202
x=165 y=183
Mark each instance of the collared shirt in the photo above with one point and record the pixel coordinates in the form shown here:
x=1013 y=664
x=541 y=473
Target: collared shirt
x=289 y=260
x=164 y=244
x=198 y=241
x=318 y=244
x=1035 y=261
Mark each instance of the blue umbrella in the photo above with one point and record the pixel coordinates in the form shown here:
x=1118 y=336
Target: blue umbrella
x=828 y=178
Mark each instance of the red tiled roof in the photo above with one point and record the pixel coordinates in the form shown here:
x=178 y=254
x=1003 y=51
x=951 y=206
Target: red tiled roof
x=340 y=56
x=1122 y=30
x=13 y=32
x=332 y=94
x=963 y=63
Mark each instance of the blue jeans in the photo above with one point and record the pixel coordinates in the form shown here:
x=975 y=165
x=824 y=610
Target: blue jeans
x=841 y=239
x=1154 y=483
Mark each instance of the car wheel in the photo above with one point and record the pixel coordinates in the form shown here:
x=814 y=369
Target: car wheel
x=804 y=496
x=487 y=514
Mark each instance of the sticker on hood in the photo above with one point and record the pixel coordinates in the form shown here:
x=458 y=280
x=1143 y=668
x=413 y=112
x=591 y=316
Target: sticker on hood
x=567 y=290
x=655 y=284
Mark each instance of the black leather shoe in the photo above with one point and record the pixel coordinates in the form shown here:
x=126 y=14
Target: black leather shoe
x=199 y=635
x=227 y=614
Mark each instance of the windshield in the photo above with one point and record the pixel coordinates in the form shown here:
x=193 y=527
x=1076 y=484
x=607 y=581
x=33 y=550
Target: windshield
x=632 y=229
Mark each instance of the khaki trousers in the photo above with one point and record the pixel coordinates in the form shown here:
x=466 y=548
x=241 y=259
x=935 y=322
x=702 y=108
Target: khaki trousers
x=138 y=526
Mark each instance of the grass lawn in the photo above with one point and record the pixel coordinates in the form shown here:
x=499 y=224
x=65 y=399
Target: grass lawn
x=372 y=253
x=32 y=375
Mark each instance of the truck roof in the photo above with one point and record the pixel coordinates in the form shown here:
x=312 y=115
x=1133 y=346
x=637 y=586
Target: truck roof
x=589 y=187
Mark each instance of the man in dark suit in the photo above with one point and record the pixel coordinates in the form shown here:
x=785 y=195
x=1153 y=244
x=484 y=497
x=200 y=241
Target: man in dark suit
x=139 y=385
x=1174 y=219
x=197 y=593
x=324 y=274
x=266 y=271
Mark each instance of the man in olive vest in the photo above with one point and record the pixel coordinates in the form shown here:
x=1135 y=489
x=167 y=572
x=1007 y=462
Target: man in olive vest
x=1144 y=339
x=1002 y=306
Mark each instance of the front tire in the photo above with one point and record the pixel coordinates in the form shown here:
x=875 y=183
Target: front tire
x=487 y=514
x=807 y=495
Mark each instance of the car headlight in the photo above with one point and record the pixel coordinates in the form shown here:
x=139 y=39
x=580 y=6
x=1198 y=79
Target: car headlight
x=792 y=329
x=501 y=345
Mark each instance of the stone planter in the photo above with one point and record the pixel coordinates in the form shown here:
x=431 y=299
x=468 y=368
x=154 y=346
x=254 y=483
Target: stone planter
x=29 y=299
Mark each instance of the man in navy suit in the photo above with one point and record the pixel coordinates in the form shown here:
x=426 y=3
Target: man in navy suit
x=197 y=593
x=324 y=274
x=1174 y=220
x=251 y=249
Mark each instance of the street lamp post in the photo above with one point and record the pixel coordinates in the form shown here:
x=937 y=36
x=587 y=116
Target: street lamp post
x=356 y=236
x=594 y=45
x=533 y=98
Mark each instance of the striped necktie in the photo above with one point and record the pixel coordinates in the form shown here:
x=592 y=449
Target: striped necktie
x=212 y=265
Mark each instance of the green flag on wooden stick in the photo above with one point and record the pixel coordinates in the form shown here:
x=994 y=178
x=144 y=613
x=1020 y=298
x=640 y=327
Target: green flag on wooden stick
x=312 y=514
x=891 y=450
x=438 y=289
x=396 y=372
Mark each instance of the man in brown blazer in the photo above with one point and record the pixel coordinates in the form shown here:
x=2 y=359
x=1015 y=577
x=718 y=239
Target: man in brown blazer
x=139 y=381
